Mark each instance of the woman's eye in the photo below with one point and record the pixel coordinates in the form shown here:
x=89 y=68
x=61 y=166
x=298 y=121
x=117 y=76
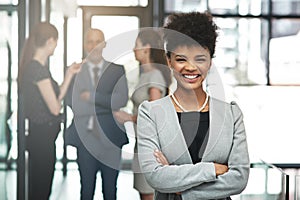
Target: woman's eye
x=180 y=60
x=200 y=60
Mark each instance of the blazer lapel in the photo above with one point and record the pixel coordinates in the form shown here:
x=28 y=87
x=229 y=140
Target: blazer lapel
x=216 y=122
x=86 y=76
x=181 y=154
x=104 y=66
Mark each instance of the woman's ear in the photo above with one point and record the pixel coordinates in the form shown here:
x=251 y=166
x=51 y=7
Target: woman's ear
x=210 y=65
x=51 y=43
x=104 y=44
x=168 y=61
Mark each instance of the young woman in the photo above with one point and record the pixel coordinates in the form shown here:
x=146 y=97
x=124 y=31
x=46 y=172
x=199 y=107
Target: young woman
x=154 y=81
x=42 y=105
x=191 y=145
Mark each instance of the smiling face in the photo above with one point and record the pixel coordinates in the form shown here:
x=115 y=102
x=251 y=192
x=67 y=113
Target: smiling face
x=190 y=65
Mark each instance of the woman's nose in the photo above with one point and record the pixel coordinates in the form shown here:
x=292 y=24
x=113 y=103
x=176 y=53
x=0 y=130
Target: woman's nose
x=191 y=66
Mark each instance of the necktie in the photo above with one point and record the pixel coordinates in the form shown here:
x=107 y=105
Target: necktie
x=96 y=75
x=93 y=120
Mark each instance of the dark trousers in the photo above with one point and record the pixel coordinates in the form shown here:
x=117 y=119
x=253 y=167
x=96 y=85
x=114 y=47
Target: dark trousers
x=42 y=157
x=88 y=168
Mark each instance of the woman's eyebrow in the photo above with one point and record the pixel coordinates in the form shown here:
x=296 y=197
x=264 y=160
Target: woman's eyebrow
x=201 y=55
x=180 y=55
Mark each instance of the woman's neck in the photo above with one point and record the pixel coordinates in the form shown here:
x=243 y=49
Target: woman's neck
x=41 y=57
x=147 y=67
x=190 y=99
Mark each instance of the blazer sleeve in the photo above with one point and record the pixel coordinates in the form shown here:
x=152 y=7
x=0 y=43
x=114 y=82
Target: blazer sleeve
x=118 y=97
x=235 y=180
x=171 y=178
x=81 y=84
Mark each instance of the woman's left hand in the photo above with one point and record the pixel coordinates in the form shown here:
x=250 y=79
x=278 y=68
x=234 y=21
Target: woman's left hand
x=122 y=116
x=160 y=157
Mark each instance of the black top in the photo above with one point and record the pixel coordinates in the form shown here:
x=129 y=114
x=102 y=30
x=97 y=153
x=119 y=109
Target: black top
x=194 y=126
x=35 y=108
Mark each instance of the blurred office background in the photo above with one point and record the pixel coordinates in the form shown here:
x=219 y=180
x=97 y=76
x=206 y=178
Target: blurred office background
x=257 y=60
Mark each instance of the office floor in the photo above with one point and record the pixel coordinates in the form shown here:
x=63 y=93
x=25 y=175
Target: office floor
x=68 y=187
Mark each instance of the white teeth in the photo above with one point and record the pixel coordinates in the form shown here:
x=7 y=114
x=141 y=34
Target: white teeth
x=190 y=76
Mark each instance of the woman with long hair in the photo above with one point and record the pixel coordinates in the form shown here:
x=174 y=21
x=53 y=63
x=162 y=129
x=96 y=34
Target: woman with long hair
x=153 y=84
x=42 y=98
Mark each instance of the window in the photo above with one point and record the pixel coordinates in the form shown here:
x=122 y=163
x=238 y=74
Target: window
x=9 y=70
x=113 y=2
x=257 y=58
x=251 y=33
x=284 y=48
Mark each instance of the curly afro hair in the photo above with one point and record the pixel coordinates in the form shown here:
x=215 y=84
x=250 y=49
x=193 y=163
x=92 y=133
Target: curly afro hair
x=188 y=29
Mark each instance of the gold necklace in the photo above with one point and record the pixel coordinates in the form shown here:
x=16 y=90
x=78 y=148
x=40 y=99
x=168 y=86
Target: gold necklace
x=184 y=110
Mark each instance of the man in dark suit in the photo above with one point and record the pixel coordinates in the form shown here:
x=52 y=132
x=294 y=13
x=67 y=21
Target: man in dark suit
x=99 y=89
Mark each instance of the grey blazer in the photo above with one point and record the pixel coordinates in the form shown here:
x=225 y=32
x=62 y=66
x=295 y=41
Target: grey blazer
x=158 y=128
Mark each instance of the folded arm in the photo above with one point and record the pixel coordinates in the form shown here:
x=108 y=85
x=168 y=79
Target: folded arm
x=199 y=181
x=235 y=180
x=168 y=178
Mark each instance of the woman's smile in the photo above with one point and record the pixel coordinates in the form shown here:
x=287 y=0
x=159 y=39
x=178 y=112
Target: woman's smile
x=191 y=78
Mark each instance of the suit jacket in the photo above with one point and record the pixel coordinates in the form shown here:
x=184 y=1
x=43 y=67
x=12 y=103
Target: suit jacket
x=110 y=95
x=158 y=128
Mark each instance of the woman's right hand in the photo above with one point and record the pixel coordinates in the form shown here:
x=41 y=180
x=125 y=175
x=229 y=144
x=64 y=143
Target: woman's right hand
x=74 y=68
x=220 y=169
x=160 y=157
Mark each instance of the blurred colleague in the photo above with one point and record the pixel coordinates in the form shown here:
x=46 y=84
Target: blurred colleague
x=42 y=105
x=99 y=90
x=154 y=81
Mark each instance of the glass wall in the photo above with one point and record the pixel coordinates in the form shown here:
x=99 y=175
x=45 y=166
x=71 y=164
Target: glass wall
x=241 y=50
x=284 y=59
x=266 y=182
x=114 y=2
x=297 y=187
x=257 y=59
x=8 y=102
x=8 y=90
x=7 y=2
